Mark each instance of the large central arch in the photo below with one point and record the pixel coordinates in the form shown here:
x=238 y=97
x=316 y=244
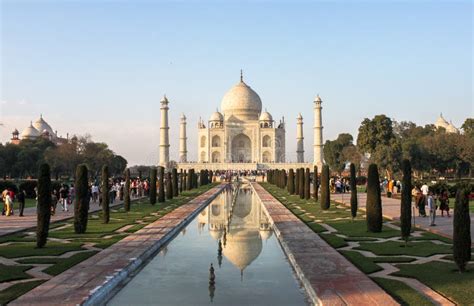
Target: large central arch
x=241 y=149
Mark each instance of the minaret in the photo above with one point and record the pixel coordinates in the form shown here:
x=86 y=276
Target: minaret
x=318 y=133
x=164 y=134
x=183 y=150
x=299 y=139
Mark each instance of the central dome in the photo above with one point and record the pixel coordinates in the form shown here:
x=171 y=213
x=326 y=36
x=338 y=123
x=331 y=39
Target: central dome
x=242 y=102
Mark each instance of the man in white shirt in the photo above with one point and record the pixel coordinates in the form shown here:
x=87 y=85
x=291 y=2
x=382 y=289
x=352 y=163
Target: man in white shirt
x=432 y=208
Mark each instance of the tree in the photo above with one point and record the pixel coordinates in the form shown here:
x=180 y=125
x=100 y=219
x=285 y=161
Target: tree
x=468 y=127
x=462 y=230
x=315 y=183
x=405 y=204
x=44 y=205
x=353 y=183
x=153 y=186
x=81 y=207
x=181 y=180
x=377 y=137
x=374 y=201
x=105 y=194
x=333 y=151
x=161 y=190
x=291 y=181
x=325 y=194
x=307 y=185
x=189 y=183
x=297 y=181
x=126 y=191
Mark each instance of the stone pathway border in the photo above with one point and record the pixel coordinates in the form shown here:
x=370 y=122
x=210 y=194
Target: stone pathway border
x=94 y=281
x=328 y=277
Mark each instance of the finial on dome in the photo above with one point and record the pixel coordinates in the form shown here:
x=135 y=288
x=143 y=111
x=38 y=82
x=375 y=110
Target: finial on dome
x=241 y=76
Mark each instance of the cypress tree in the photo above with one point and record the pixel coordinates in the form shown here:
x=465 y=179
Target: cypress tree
x=105 y=190
x=175 y=182
x=291 y=181
x=297 y=182
x=44 y=205
x=285 y=179
x=189 y=178
x=126 y=191
x=81 y=207
x=169 y=186
x=462 y=230
x=181 y=181
x=195 y=179
x=353 y=184
x=153 y=186
x=374 y=201
x=185 y=180
x=405 y=204
x=315 y=183
x=161 y=186
x=211 y=176
x=325 y=194
x=307 y=185
x=301 y=183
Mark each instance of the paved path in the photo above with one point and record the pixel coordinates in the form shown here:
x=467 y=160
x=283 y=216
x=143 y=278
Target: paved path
x=329 y=278
x=94 y=279
x=15 y=223
x=391 y=210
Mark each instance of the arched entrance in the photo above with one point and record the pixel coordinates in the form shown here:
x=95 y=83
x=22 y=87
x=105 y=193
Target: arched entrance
x=241 y=149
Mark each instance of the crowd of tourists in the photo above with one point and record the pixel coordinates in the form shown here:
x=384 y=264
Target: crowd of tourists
x=424 y=198
x=63 y=197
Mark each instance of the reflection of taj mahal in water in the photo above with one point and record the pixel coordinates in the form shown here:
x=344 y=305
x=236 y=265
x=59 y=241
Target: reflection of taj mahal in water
x=241 y=135
x=240 y=227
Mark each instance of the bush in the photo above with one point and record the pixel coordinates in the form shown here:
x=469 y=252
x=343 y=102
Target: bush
x=405 y=204
x=153 y=186
x=29 y=187
x=44 y=205
x=325 y=194
x=104 y=189
x=374 y=201
x=81 y=207
x=8 y=185
x=462 y=230
x=353 y=182
x=126 y=191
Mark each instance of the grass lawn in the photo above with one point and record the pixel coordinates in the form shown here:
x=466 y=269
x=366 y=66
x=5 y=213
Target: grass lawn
x=445 y=278
x=101 y=235
x=391 y=251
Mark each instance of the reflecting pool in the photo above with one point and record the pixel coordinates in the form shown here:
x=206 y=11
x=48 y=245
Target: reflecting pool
x=233 y=234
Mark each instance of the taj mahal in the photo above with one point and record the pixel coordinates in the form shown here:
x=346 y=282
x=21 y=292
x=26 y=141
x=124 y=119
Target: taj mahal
x=241 y=135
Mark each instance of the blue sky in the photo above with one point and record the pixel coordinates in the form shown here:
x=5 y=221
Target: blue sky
x=101 y=67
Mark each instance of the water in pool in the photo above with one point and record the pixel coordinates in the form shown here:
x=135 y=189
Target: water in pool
x=250 y=267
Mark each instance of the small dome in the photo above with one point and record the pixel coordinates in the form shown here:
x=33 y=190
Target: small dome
x=318 y=99
x=299 y=117
x=451 y=128
x=30 y=132
x=41 y=125
x=242 y=102
x=183 y=117
x=265 y=234
x=441 y=122
x=164 y=99
x=15 y=132
x=265 y=116
x=216 y=116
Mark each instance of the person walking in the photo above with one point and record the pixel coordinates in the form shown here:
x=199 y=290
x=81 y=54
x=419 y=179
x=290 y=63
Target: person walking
x=432 y=207
x=444 y=203
x=21 y=202
x=63 y=193
x=424 y=191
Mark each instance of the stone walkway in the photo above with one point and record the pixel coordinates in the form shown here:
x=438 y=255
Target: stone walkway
x=92 y=281
x=15 y=223
x=329 y=278
x=391 y=210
